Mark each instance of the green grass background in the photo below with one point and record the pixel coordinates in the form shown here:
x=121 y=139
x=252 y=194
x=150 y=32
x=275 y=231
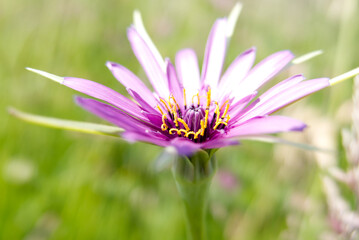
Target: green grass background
x=91 y=187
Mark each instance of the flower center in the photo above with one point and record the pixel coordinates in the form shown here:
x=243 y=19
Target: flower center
x=197 y=121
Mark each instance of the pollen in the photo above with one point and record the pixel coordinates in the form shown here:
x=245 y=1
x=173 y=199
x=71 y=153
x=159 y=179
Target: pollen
x=196 y=121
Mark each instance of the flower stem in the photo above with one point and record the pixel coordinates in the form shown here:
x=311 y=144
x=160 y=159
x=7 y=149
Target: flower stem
x=193 y=177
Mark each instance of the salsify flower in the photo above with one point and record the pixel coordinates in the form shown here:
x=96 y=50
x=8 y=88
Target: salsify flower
x=192 y=109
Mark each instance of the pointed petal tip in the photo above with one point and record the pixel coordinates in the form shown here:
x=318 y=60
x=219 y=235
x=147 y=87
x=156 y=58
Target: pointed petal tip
x=232 y=18
x=110 y=64
x=300 y=127
x=307 y=56
x=12 y=111
x=47 y=75
x=250 y=50
x=344 y=76
x=137 y=18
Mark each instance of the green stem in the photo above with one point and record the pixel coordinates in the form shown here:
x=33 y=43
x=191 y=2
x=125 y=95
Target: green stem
x=193 y=177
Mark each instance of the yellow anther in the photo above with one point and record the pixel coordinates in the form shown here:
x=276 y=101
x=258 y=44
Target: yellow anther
x=202 y=128
x=228 y=117
x=217 y=124
x=159 y=108
x=198 y=99
x=182 y=131
x=174 y=100
x=206 y=119
x=164 y=126
x=173 y=129
x=217 y=113
x=225 y=111
x=221 y=122
x=184 y=98
x=165 y=104
x=224 y=104
x=200 y=131
x=208 y=97
x=169 y=105
x=175 y=116
x=197 y=133
x=184 y=123
x=190 y=133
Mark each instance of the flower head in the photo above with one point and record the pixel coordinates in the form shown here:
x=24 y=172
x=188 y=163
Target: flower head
x=192 y=109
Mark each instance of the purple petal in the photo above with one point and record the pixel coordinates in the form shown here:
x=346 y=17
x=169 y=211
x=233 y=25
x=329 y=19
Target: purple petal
x=266 y=125
x=154 y=119
x=104 y=93
x=184 y=146
x=237 y=71
x=149 y=63
x=281 y=87
x=236 y=108
x=214 y=54
x=262 y=72
x=154 y=139
x=113 y=115
x=130 y=80
x=174 y=85
x=144 y=105
x=188 y=71
x=219 y=143
x=280 y=99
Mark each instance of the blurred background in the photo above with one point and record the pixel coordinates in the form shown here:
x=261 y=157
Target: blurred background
x=57 y=184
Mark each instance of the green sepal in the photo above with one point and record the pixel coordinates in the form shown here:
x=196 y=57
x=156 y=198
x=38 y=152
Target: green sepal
x=85 y=127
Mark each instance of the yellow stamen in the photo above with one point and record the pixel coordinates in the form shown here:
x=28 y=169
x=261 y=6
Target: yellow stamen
x=184 y=98
x=228 y=117
x=198 y=99
x=224 y=104
x=206 y=119
x=174 y=100
x=202 y=128
x=179 y=131
x=173 y=110
x=159 y=108
x=182 y=131
x=200 y=131
x=184 y=124
x=175 y=115
x=173 y=129
x=217 y=113
x=169 y=102
x=208 y=98
x=164 y=126
x=190 y=133
x=165 y=104
x=197 y=133
x=219 y=123
x=225 y=111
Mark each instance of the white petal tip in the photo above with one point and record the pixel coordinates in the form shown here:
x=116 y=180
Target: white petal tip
x=307 y=57
x=344 y=76
x=109 y=65
x=232 y=18
x=137 y=19
x=47 y=75
x=141 y=30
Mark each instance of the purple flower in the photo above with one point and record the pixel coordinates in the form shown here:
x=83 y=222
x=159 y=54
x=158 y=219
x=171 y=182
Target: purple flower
x=191 y=109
